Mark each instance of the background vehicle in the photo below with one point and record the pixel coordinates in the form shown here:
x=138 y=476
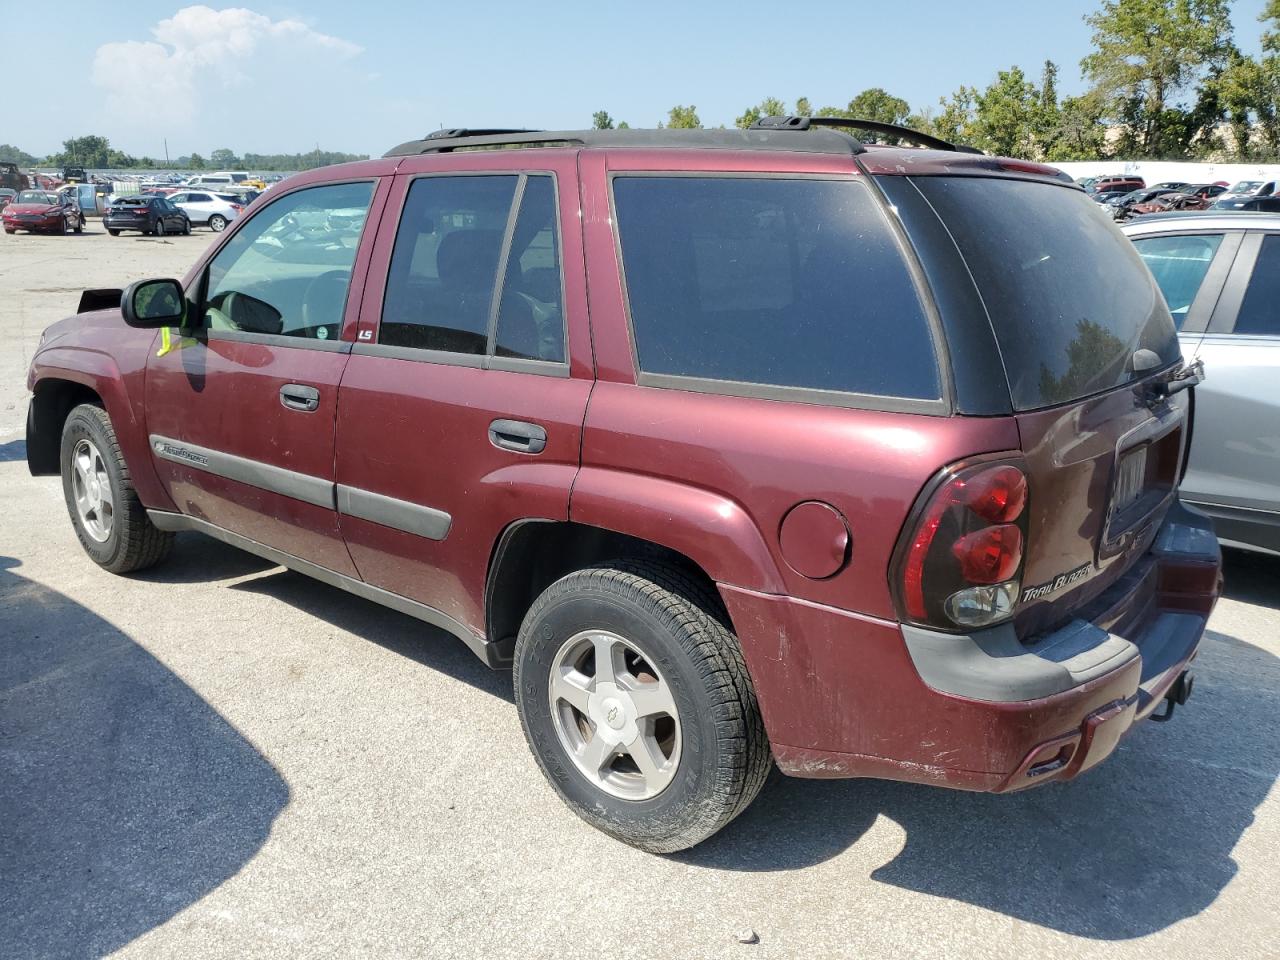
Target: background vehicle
x=206 y=209
x=75 y=175
x=1122 y=207
x=1221 y=277
x=1252 y=188
x=1169 y=202
x=1247 y=203
x=823 y=513
x=6 y=194
x=40 y=211
x=146 y=214
x=12 y=178
x=1207 y=191
x=1116 y=182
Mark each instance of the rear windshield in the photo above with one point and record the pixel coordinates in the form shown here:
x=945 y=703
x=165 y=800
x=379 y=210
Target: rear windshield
x=797 y=284
x=1069 y=298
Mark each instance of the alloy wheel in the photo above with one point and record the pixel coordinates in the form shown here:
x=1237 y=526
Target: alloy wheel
x=615 y=715
x=91 y=488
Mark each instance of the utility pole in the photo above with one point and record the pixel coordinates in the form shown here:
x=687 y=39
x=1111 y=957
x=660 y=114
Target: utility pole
x=166 y=151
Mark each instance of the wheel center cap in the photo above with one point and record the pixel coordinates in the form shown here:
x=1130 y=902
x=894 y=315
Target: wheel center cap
x=614 y=713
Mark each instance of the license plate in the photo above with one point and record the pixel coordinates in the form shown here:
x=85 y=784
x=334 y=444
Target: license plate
x=1130 y=478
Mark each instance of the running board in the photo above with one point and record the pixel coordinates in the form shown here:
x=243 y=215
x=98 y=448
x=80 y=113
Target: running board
x=490 y=653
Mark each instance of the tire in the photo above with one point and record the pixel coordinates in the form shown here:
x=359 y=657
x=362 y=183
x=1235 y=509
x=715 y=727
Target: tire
x=123 y=539
x=186 y=228
x=217 y=223
x=79 y=227
x=159 y=228
x=714 y=753
x=62 y=227
x=7 y=230
x=114 y=233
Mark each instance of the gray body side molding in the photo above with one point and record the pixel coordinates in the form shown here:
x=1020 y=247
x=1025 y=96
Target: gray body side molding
x=264 y=476
x=390 y=512
x=375 y=507
x=489 y=652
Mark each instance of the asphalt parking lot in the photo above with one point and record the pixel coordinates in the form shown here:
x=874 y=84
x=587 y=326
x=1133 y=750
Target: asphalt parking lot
x=219 y=758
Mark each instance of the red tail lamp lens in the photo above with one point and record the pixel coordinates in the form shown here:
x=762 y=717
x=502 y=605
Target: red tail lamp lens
x=997 y=495
x=989 y=555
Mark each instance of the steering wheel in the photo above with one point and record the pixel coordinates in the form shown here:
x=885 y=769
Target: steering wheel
x=322 y=305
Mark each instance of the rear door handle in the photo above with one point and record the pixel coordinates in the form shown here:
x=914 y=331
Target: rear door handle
x=518 y=436
x=295 y=396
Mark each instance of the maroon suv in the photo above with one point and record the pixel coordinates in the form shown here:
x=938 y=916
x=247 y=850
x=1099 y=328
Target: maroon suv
x=743 y=447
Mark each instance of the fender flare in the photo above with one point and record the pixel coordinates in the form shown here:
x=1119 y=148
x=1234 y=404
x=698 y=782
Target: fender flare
x=709 y=528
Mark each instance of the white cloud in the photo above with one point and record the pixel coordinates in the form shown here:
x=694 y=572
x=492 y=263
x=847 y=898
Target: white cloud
x=200 y=55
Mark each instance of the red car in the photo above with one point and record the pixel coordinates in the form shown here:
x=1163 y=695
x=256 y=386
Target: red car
x=39 y=211
x=740 y=447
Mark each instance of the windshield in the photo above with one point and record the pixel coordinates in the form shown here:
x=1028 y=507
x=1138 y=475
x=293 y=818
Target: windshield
x=36 y=196
x=1246 y=186
x=1069 y=298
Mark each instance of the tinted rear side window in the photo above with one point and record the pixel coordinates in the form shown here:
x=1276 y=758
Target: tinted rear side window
x=1069 y=298
x=782 y=282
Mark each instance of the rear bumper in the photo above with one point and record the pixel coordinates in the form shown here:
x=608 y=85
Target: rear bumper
x=848 y=696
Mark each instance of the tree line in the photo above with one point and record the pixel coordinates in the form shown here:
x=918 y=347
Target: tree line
x=1166 y=81
x=96 y=153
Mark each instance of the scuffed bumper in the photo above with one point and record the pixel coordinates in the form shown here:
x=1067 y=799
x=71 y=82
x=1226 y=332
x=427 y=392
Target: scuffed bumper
x=842 y=695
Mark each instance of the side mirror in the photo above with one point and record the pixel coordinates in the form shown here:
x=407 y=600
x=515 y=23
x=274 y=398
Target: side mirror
x=154 y=303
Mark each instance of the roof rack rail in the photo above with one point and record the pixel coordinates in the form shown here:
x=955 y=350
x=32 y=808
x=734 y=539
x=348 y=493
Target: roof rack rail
x=455 y=133
x=875 y=126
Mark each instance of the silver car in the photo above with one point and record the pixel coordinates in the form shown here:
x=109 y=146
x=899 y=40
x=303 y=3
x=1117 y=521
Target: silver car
x=1220 y=274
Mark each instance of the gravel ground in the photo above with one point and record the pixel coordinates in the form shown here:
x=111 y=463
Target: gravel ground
x=220 y=758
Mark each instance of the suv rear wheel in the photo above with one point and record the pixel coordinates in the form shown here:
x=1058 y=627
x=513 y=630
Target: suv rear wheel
x=110 y=521
x=217 y=223
x=637 y=704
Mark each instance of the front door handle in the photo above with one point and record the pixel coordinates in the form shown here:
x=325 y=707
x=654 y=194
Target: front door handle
x=295 y=396
x=518 y=436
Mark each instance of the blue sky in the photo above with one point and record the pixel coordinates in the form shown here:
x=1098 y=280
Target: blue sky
x=283 y=77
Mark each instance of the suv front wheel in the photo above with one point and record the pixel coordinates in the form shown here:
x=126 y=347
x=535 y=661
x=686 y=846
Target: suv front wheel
x=109 y=520
x=637 y=704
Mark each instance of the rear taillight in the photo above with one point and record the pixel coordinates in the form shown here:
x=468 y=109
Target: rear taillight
x=960 y=562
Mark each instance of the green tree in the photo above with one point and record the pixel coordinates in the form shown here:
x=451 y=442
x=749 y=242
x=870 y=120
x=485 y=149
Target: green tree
x=1079 y=133
x=224 y=159
x=1007 y=116
x=11 y=154
x=803 y=107
x=768 y=107
x=955 y=121
x=88 y=151
x=1147 y=55
x=196 y=162
x=683 y=118
x=600 y=120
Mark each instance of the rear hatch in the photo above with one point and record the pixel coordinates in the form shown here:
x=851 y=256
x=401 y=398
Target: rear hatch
x=129 y=210
x=1086 y=342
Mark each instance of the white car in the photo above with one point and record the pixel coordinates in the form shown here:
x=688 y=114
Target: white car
x=211 y=209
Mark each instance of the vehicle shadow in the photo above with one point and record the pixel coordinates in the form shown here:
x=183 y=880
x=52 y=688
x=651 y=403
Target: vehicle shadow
x=125 y=797
x=1250 y=577
x=201 y=559
x=1132 y=847
x=13 y=451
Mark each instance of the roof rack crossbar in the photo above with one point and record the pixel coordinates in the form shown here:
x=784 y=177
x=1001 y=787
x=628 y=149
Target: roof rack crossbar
x=455 y=133
x=875 y=126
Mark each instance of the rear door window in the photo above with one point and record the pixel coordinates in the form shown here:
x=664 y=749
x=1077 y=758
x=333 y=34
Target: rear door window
x=445 y=263
x=1179 y=265
x=789 y=283
x=1067 y=293
x=460 y=235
